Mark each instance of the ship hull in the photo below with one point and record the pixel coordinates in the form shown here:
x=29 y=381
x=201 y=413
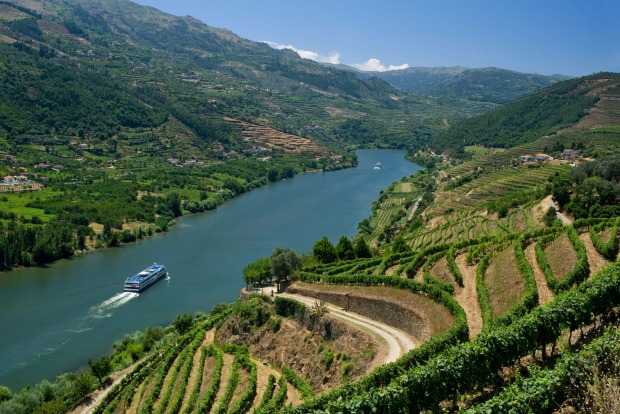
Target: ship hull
x=145 y=279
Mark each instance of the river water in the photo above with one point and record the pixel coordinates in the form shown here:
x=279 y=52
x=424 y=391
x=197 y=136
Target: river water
x=53 y=319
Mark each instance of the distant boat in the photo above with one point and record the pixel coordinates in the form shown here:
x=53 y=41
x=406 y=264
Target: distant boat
x=377 y=166
x=145 y=278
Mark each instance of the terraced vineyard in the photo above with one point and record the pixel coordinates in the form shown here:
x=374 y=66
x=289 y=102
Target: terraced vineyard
x=530 y=307
x=501 y=261
x=198 y=376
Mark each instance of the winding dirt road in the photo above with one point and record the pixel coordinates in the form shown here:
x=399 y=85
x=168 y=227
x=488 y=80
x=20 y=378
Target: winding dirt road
x=398 y=342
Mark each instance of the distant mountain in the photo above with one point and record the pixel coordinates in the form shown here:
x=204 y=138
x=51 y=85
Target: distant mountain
x=486 y=84
x=457 y=83
x=95 y=69
x=543 y=112
x=98 y=52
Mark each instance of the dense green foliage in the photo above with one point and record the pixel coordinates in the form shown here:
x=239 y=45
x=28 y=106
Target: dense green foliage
x=258 y=271
x=591 y=189
x=608 y=249
x=284 y=262
x=288 y=307
x=523 y=120
x=572 y=377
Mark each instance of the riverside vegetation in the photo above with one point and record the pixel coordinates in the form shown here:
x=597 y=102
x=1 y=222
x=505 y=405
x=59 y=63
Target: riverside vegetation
x=533 y=325
x=532 y=304
x=102 y=102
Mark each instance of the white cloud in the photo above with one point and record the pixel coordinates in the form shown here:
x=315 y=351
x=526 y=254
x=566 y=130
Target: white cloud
x=372 y=65
x=375 y=65
x=308 y=54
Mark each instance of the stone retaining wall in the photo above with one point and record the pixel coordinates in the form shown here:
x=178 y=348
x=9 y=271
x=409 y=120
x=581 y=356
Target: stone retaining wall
x=390 y=313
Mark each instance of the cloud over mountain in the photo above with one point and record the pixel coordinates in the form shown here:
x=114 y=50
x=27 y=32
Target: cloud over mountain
x=333 y=58
x=371 y=65
x=375 y=65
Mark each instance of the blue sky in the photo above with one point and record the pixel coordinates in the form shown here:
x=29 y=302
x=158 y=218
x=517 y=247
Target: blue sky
x=543 y=36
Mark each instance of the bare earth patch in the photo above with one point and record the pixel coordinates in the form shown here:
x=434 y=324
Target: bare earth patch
x=561 y=256
x=540 y=209
x=441 y=271
x=467 y=296
x=545 y=295
x=226 y=373
x=595 y=260
x=304 y=349
x=506 y=284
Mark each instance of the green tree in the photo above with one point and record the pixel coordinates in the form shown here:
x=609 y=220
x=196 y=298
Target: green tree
x=100 y=368
x=174 y=203
x=284 y=262
x=55 y=406
x=344 y=249
x=258 y=271
x=324 y=251
x=399 y=245
x=152 y=335
x=5 y=393
x=81 y=385
x=551 y=218
x=361 y=248
x=183 y=322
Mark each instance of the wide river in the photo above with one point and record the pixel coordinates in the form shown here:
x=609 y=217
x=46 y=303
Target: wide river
x=53 y=319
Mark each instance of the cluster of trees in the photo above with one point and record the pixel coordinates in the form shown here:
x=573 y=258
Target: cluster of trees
x=28 y=244
x=66 y=98
x=48 y=397
x=592 y=189
x=282 y=263
x=325 y=252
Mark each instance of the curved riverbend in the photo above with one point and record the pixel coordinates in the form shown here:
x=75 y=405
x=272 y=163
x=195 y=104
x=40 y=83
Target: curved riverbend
x=53 y=319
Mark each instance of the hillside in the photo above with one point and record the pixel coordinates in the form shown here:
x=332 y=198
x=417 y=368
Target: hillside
x=544 y=112
x=492 y=85
x=198 y=74
x=499 y=260
x=471 y=261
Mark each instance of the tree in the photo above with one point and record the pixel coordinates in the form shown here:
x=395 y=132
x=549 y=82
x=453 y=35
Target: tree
x=361 y=248
x=344 y=249
x=152 y=335
x=183 y=322
x=324 y=251
x=399 y=245
x=258 y=271
x=100 y=368
x=81 y=385
x=5 y=393
x=284 y=262
x=550 y=217
x=174 y=203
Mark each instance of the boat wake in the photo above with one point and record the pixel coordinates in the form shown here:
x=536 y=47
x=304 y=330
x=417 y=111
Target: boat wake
x=103 y=309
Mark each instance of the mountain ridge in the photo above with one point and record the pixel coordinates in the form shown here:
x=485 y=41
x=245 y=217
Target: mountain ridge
x=488 y=84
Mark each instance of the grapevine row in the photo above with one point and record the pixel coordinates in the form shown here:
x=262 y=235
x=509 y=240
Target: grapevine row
x=476 y=363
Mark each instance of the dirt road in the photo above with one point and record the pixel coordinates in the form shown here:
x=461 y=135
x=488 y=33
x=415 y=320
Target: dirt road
x=398 y=342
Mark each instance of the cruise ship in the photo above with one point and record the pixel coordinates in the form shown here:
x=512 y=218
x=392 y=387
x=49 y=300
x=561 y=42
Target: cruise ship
x=145 y=278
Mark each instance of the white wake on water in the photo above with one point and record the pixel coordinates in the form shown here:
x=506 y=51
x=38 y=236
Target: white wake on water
x=102 y=310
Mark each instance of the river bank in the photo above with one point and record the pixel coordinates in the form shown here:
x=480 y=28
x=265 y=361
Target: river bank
x=62 y=314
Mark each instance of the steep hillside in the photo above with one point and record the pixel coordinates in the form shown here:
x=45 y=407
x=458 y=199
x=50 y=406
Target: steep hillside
x=198 y=73
x=493 y=85
x=544 y=112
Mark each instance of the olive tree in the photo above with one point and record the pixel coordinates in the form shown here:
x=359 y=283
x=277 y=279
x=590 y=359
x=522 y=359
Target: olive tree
x=284 y=261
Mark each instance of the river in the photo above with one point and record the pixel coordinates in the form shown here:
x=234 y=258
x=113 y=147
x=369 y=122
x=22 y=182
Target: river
x=53 y=319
